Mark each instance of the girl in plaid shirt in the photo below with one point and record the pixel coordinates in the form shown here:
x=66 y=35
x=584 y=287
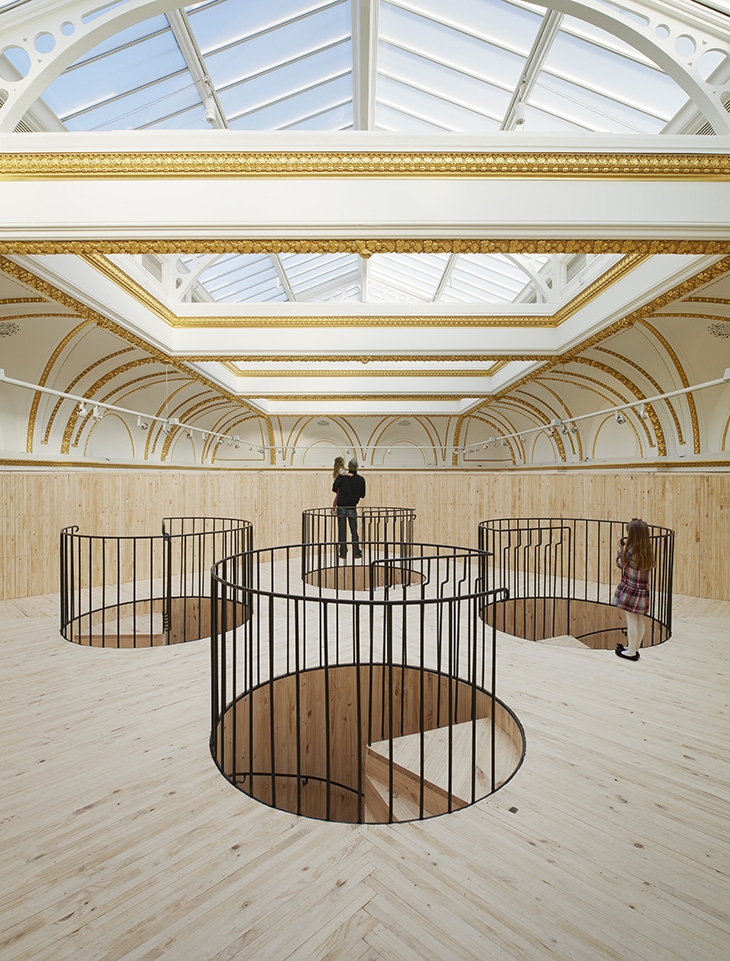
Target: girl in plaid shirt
x=635 y=557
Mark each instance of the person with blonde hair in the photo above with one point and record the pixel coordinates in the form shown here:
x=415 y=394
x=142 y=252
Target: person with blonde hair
x=635 y=558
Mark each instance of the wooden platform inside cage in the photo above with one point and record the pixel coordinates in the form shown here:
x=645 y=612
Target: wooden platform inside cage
x=596 y=625
x=362 y=577
x=140 y=624
x=291 y=767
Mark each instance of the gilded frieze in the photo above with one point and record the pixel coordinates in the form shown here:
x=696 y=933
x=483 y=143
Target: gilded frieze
x=368 y=247
x=353 y=164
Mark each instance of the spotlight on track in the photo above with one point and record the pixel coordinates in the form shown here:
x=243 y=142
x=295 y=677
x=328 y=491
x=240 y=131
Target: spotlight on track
x=620 y=419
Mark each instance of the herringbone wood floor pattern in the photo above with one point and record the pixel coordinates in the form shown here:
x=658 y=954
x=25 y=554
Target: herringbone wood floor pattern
x=121 y=842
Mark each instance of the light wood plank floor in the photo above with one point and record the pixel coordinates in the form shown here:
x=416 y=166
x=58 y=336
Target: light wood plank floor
x=121 y=842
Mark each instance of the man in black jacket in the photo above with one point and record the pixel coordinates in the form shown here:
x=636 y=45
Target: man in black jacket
x=350 y=488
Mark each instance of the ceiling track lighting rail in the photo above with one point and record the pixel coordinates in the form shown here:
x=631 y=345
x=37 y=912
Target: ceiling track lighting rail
x=568 y=425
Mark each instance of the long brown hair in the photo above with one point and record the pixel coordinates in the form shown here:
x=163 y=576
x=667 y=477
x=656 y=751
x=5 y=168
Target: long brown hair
x=637 y=547
x=339 y=462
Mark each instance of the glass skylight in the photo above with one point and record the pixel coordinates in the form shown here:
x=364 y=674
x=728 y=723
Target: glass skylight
x=383 y=278
x=458 y=66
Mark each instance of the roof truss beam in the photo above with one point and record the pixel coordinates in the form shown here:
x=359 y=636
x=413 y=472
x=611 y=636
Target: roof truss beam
x=180 y=26
x=364 y=62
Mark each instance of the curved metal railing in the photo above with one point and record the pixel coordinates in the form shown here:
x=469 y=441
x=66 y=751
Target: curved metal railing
x=374 y=706
x=384 y=533
x=561 y=577
x=148 y=590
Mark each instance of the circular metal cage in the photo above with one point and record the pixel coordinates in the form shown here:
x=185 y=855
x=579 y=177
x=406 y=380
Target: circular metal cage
x=367 y=534
x=345 y=705
x=144 y=591
x=561 y=576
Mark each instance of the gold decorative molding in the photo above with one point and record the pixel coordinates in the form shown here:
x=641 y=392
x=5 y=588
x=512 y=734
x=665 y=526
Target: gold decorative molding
x=335 y=163
x=4 y=301
x=693 y=316
x=91 y=391
x=639 y=395
x=685 y=383
x=60 y=347
x=52 y=316
x=364 y=360
x=367 y=247
x=575 y=439
x=708 y=300
x=70 y=386
x=654 y=383
x=555 y=436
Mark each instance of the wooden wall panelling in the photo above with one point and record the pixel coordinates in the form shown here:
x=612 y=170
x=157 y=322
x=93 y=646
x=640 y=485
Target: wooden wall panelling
x=449 y=505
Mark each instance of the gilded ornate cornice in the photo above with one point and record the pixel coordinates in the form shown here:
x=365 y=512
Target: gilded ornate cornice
x=353 y=164
x=367 y=247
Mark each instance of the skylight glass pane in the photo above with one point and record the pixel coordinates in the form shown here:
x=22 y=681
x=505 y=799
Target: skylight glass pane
x=586 y=64
x=219 y=24
x=141 y=108
x=338 y=118
x=426 y=104
x=127 y=36
x=473 y=92
x=286 y=80
x=502 y=23
x=312 y=273
x=392 y=118
x=491 y=278
x=192 y=118
x=584 y=108
x=113 y=75
x=297 y=108
x=282 y=44
x=465 y=58
x=239 y=278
